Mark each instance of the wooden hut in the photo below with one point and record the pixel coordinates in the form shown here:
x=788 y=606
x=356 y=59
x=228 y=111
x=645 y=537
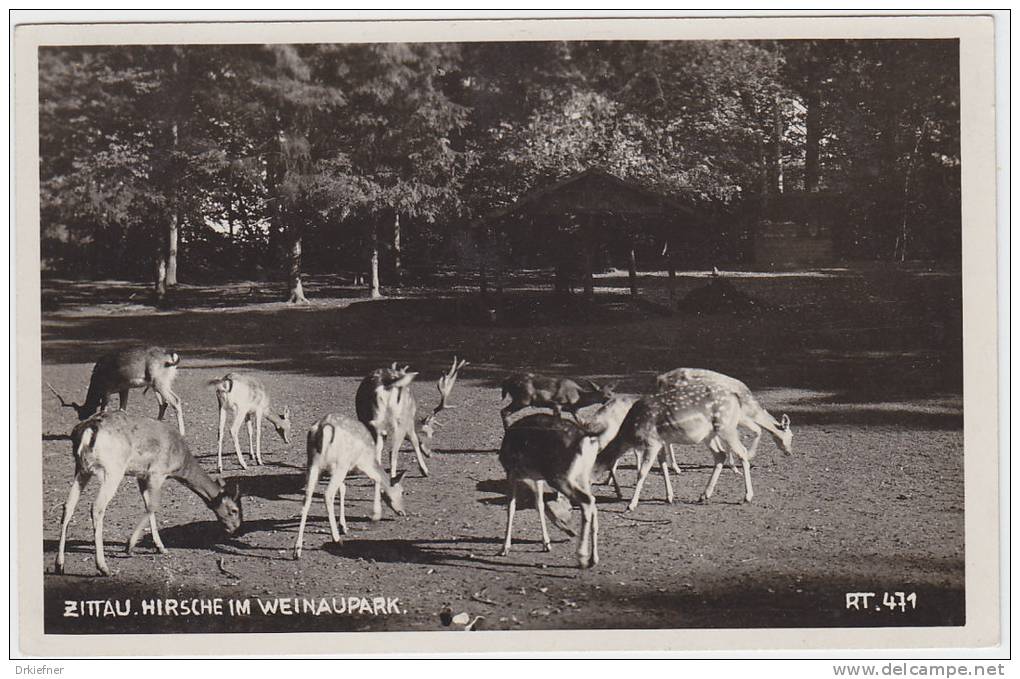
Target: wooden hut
x=575 y=218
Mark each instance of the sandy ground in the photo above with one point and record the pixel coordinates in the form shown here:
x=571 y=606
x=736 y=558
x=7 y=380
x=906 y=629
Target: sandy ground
x=872 y=501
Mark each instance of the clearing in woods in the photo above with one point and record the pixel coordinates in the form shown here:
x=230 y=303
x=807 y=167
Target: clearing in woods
x=867 y=362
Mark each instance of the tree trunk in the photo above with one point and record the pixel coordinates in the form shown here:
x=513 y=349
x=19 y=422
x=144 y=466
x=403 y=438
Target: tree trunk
x=160 y=288
x=900 y=248
x=173 y=234
x=774 y=162
x=374 y=261
x=632 y=272
x=297 y=293
x=813 y=136
x=396 y=248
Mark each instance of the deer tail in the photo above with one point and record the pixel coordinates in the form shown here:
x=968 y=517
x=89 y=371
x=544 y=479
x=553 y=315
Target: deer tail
x=173 y=358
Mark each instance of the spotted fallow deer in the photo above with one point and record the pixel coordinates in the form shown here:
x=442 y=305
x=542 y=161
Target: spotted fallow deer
x=114 y=444
x=693 y=412
x=246 y=398
x=754 y=416
x=134 y=368
x=337 y=444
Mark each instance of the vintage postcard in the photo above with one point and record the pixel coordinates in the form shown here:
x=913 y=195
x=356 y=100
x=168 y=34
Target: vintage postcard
x=608 y=334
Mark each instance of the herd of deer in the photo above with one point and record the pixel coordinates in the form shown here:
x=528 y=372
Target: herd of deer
x=688 y=406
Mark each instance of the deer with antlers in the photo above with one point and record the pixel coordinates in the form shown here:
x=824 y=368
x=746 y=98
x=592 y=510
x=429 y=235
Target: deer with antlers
x=697 y=411
x=528 y=389
x=388 y=409
x=114 y=444
x=121 y=371
x=338 y=444
x=246 y=397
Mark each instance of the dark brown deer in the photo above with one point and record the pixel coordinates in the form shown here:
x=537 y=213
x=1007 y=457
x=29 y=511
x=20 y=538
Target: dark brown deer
x=114 y=444
x=540 y=449
x=528 y=389
x=121 y=371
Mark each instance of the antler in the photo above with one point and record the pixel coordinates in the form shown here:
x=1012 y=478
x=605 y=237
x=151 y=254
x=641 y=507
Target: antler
x=445 y=386
x=77 y=407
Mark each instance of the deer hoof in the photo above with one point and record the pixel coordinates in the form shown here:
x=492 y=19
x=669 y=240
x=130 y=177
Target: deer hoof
x=547 y=547
x=504 y=552
x=104 y=570
x=58 y=568
x=703 y=500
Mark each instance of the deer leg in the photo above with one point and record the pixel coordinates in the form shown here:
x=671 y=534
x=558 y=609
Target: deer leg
x=335 y=481
x=124 y=393
x=162 y=402
x=81 y=479
x=594 y=532
x=736 y=446
x=587 y=555
x=510 y=508
x=150 y=497
x=539 y=489
x=418 y=450
x=398 y=440
x=616 y=482
x=235 y=429
x=107 y=489
x=557 y=410
x=720 y=458
x=219 y=438
x=310 y=483
x=169 y=397
x=251 y=441
x=665 y=476
x=648 y=459
x=672 y=459
x=258 y=437
x=377 y=493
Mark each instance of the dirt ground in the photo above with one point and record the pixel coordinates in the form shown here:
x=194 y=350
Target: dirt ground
x=867 y=363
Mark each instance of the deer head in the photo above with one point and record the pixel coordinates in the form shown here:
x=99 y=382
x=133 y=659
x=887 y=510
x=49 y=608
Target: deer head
x=394 y=495
x=79 y=409
x=430 y=423
x=283 y=425
x=227 y=507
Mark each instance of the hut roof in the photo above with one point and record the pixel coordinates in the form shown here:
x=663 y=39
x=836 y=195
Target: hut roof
x=593 y=191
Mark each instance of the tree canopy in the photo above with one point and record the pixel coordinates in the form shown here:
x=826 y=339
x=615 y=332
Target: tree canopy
x=228 y=159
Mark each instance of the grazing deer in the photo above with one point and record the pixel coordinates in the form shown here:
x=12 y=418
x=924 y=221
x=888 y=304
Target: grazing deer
x=755 y=417
x=693 y=412
x=540 y=449
x=121 y=371
x=113 y=444
x=337 y=444
x=527 y=389
x=247 y=398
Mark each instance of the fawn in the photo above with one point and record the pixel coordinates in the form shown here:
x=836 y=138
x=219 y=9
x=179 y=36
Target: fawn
x=247 y=398
x=338 y=444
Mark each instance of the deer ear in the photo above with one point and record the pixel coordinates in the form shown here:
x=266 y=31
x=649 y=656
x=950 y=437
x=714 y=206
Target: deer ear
x=398 y=477
x=784 y=422
x=233 y=489
x=286 y=413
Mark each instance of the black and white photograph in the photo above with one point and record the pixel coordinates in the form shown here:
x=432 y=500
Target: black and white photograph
x=506 y=334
